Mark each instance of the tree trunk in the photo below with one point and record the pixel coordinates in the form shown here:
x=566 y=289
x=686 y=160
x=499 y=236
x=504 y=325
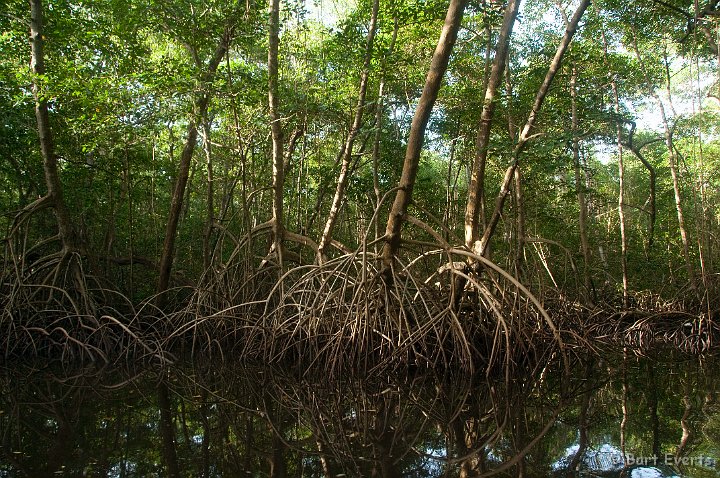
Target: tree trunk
x=438 y=65
x=519 y=202
x=480 y=247
x=176 y=204
x=672 y=160
x=621 y=202
x=66 y=229
x=652 y=178
x=477 y=177
x=278 y=170
x=242 y=149
x=342 y=180
x=580 y=187
x=210 y=219
x=379 y=113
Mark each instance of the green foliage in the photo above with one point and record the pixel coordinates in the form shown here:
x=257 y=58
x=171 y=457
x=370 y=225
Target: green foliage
x=123 y=77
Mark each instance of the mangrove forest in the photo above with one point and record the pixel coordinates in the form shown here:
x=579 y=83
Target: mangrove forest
x=368 y=238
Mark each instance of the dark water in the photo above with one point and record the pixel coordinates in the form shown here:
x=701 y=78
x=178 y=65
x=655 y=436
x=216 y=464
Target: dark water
x=620 y=416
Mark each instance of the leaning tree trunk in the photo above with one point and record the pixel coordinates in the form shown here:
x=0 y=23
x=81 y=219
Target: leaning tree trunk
x=176 y=204
x=519 y=200
x=210 y=197
x=481 y=247
x=476 y=193
x=342 y=180
x=54 y=195
x=438 y=65
x=477 y=177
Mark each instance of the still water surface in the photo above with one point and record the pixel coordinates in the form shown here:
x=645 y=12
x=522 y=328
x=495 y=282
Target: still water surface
x=656 y=416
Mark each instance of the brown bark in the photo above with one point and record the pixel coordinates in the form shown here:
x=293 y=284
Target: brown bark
x=580 y=187
x=176 y=204
x=350 y=140
x=278 y=171
x=519 y=202
x=481 y=247
x=477 y=177
x=438 y=65
x=66 y=229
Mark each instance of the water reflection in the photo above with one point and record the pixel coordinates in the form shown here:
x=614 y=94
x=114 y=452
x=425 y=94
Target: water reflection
x=624 y=416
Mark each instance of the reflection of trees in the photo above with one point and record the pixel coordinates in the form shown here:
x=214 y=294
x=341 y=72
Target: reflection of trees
x=649 y=407
x=167 y=432
x=67 y=425
x=223 y=421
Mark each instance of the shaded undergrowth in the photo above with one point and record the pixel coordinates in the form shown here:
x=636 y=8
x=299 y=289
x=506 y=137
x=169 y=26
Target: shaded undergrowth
x=342 y=313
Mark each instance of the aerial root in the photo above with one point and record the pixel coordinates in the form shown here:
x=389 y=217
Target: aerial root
x=338 y=314
x=346 y=313
x=52 y=308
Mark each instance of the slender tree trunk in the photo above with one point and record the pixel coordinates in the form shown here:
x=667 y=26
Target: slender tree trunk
x=519 y=201
x=477 y=176
x=210 y=219
x=681 y=450
x=127 y=184
x=583 y=425
x=704 y=248
x=449 y=191
x=206 y=443
x=624 y=406
x=672 y=160
x=176 y=204
x=480 y=247
x=342 y=180
x=621 y=201
x=278 y=171
x=242 y=149
x=379 y=113
x=66 y=230
x=650 y=203
x=438 y=65
x=487 y=67
x=580 y=187
x=652 y=401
